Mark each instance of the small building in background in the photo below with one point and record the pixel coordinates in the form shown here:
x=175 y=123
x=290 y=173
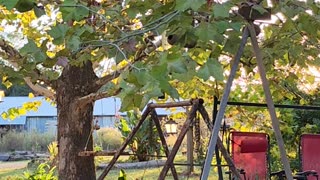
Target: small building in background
x=44 y=120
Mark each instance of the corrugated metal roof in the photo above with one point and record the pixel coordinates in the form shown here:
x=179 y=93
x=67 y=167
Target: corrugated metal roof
x=17 y=121
x=46 y=109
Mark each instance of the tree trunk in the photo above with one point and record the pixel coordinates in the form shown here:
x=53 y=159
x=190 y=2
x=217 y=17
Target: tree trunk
x=75 y=123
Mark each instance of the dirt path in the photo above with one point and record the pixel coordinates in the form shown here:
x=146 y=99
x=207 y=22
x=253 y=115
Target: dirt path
x=13 y=165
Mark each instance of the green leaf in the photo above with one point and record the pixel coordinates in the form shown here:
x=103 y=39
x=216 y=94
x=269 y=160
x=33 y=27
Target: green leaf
x=39 y=11
x=29 y=48
x=260 y=9
x=175 y=62
x=25 y=5
x=151 y=89
x=74 y=43
x=222 y=26
x=71 y=10
x=206 y=31
x=177 y=66
x=9 y=4
x=216 y=51
x=236 y=26
x=159 y=71
x=187 y=4
x=58 y=33
x=83 y=30
x=124 y=125
x=172 y=92
x=126 y=103
x=39 y=56
x=232 y=44
x=142 y=77
x=130 y=97
x=211 y=68
x=122 y=175
x=221 y=10
x=132 y=12
x=185 y=77
x=32 y=49
x=80 y=13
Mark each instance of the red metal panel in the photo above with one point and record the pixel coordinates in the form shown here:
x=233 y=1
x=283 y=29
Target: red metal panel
x=310 y=153
x=253 y=162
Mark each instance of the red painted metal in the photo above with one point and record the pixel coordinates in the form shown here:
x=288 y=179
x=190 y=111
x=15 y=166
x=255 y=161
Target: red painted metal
x=249 y=152
x=310 y=153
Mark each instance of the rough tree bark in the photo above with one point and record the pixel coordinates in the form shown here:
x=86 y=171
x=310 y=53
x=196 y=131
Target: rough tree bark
x=75 y=122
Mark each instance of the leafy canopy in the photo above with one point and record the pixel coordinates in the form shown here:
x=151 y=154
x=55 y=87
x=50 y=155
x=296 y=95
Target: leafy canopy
x=133 y=38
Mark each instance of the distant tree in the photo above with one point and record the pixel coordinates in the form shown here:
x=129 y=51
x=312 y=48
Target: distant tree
x=16 y=90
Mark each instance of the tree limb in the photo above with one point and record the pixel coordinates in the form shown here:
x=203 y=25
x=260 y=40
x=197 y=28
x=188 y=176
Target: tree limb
x=159 y=22
x=142 y=53
x=96 y=96
x=13 y=56
x=104 y=80
x=39 y=89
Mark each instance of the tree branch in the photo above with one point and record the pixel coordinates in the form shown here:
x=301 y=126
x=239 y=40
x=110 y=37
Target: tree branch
x=142 y=53
x=161 y=21
x=104 y=80
x=39 y=89
x=13 y=56
x=96 y=96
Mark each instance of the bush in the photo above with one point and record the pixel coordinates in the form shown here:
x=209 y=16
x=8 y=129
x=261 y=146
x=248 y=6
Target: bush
x=108 y=138
x=25 y=141
x=43 y=171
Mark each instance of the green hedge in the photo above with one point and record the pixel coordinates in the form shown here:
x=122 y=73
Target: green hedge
x=25 y=141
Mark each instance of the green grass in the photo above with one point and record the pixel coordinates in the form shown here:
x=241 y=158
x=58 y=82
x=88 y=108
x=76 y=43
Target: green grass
x=153 y=173
x=11 y=174
x=12 y=170
x=132 y=174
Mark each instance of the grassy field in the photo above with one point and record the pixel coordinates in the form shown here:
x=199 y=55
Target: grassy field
x=132 y=174
x=14 y=171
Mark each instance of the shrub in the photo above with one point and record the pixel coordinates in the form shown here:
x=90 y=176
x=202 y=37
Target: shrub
x=43 y=171
x=25 y=141
x=146 y=141
x=108 y=138
x=11 y=141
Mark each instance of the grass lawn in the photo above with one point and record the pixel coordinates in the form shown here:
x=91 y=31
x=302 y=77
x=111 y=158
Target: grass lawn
x=14 y=171
x=153 y=173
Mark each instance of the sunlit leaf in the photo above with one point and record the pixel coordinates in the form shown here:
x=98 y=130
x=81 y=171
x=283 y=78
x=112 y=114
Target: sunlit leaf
x=122 y=175
x=31 y=95
x=211 y=68
x=58 y=33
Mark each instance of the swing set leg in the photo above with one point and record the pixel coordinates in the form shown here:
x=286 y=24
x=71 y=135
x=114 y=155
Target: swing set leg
x=155 y=118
